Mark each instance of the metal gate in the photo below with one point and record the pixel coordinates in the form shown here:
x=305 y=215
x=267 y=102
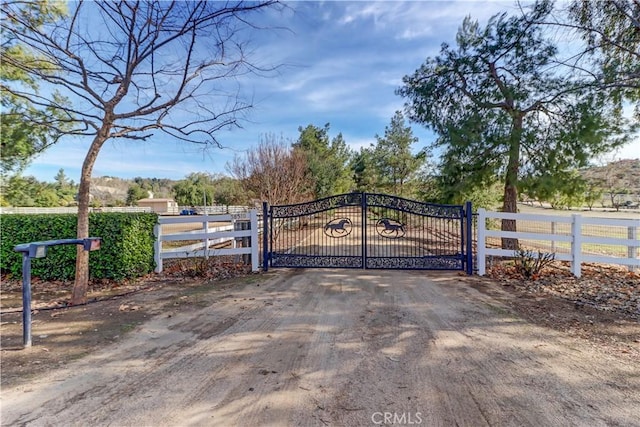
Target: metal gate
x=366 y=230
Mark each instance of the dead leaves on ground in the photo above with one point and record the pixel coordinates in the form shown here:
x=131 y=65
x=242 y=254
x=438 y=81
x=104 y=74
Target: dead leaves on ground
x=604 y=287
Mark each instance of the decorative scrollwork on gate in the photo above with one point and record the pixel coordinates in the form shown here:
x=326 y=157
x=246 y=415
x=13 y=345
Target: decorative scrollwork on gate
x=310 y=208
x=420 y=263
x=390 y=229
x=339 y=227
x=289 y=260
x=414 y=207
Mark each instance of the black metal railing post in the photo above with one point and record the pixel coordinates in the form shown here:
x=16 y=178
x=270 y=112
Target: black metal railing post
x=469 y=237
x=363 y=203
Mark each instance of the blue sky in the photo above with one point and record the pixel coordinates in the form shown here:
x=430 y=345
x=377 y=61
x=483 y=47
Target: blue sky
x=341 y=63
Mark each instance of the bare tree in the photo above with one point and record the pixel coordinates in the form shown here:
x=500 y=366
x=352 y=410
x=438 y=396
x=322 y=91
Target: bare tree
x=273 y=171
x=130 y=68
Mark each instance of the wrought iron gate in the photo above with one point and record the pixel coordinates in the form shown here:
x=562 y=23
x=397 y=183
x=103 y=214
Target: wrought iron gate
x=365 y=230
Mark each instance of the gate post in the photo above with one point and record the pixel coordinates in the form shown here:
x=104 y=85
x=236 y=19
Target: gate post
x=363 y=204
x=265 y=237
x=469 y=237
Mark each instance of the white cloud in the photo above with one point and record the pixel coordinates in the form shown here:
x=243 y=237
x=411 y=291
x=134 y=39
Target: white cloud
x=419 y=19
x=356 y=143
x=342 y=62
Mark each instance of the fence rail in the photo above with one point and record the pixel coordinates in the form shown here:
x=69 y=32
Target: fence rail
x=570 y=237
x=209 y=210
x=70 y=210
x=225 y=230
x=223 y=209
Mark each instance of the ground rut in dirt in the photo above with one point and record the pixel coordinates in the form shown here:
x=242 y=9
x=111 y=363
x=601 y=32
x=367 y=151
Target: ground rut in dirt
x=338 y=347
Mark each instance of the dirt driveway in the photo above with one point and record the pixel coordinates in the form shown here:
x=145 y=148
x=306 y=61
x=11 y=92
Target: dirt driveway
x=338 y=348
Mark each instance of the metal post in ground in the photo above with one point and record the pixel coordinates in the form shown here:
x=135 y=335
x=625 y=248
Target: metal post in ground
x=26 y=299
x=39 y=250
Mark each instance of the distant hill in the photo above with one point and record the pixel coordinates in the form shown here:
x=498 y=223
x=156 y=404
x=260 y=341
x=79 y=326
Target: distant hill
x=110 y=190
x=621 y=176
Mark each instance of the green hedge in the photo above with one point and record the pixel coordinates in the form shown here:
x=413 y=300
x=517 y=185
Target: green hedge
x=127 y=244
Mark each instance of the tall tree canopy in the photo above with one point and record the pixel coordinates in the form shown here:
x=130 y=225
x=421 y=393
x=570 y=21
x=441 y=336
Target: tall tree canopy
x=131 y=68
x=21 y=140
x=327 y=160
x=365 y=174
x=396 y=164
x=66 y=189
x=28 y=191
x=611 y=30
x=500 y=106
x=135 y=193
x=389 y=165
x=196 y=189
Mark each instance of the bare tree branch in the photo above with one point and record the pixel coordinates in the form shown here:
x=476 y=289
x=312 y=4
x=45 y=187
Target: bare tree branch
x=131 y=67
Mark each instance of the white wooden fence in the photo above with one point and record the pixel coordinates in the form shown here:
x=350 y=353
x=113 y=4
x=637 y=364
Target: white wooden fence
x=211 y=210
x=71 y=210
x=210 y=236
x=221 y=209
x=575 y=239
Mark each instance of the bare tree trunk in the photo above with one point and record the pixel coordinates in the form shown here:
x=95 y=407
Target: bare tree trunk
x=79 y=295
x=510 y=202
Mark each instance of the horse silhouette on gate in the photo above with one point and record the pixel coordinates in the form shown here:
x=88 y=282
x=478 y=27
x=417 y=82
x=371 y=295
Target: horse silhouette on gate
x=389 y=228
x=338 y=228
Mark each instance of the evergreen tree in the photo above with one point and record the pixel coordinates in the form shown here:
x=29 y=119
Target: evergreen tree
x=396 y=165
x=500 y=107
x=327 y=160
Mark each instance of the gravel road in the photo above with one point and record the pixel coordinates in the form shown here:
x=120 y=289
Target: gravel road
x=338 y=348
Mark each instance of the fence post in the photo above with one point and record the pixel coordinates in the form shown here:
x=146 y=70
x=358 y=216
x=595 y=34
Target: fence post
x=254 y=242
x=246 y=225
x=469 y=237
x=234 y=243
x=265 y=237
x=157 y=247
x=482 y=221
x=363 y=204
x=576 y=244
x=632 y=251
x=241 y=225
x=205 y=226
x=553 y=231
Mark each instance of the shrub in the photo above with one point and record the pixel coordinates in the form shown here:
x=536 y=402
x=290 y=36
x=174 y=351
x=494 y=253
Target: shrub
x=530 y=265
x=127 y=244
